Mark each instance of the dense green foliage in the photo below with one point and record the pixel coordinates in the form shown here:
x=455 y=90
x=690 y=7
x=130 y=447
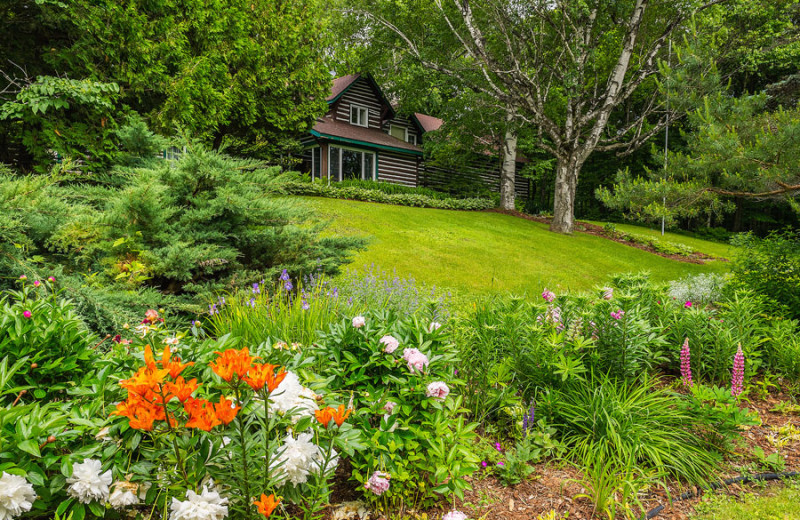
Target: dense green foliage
x=251 y=73
x=389 y=195
x=162 y=232
x=771 y=267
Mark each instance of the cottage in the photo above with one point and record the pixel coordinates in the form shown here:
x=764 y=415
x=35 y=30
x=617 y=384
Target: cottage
x=363 y=137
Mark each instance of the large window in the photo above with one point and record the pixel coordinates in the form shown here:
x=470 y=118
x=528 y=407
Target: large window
x=359 y=115
x=347 y=164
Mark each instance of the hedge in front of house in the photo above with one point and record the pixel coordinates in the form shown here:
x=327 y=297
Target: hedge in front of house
x=400 y=199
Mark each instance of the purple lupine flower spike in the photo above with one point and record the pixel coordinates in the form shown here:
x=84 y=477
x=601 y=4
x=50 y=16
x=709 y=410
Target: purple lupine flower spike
x=686 y=364
x=737 y=378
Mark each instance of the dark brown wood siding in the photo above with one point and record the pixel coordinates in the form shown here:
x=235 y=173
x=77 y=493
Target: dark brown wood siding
x=360 y=93
x=397 y=168
x=486 y=170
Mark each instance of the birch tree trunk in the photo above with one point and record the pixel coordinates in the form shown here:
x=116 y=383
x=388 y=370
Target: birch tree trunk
x=509 y=168
x=567 y=169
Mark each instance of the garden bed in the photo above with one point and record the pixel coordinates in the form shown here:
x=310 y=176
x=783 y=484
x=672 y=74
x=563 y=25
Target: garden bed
x=696 y=257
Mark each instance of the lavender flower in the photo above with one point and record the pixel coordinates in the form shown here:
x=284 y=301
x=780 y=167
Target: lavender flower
x=737 y=378
x=256 y=289
x=686 y=364
x=306 y=306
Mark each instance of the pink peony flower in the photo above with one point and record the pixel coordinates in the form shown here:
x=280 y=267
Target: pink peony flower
x=23 y=277
x=359 y=321
x=390 y=344
x=37 y=283
x=688 y=305
x=737 y=378
x=438 y=390
x=455 y=515
x=27 y=314
x=548 y=296
x=417 y=361
x=389 y=406
x=51 y=278
x=378 y=483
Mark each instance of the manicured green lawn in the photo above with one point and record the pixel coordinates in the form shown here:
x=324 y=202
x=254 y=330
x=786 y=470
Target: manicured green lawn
x=488 y=252
x=773 y=504
x=704 y=246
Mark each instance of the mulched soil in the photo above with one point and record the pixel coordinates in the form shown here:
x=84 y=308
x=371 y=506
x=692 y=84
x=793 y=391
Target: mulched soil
x=593 y=229
x=555 y=486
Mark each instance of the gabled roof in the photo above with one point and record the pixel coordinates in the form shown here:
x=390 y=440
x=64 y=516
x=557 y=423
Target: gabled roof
x=340 y=85
x=343 y=83
x=368 y=137
x=428 y=123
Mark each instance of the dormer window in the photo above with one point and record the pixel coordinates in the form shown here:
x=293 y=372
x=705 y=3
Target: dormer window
x=359 y=115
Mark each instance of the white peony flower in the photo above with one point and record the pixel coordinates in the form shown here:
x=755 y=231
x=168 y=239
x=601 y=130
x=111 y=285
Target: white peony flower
x=297 y=458
x=87 y=483
x=123 y=495
x=289 y=395
x=208 y=505
x=455 y=515
x=359 y=321
x=16 y=496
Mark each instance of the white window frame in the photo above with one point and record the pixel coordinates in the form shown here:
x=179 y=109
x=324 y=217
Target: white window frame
x=316 y=151
x=409 y=136
x=372 y=175
x=358 y=111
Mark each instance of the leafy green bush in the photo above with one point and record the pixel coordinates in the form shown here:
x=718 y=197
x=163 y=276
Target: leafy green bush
x=770 y=266
x=782 y=350
x=38 y=326
x=400 y=372
x=319 y=189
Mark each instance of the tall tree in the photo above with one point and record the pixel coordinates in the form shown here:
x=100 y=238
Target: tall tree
x=252 y=73
x=575 y=69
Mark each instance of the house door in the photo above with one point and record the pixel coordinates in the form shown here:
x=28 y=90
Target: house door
x=352 y=167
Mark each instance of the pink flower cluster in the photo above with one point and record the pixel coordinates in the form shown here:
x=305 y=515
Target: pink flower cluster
x=378 y=483
x=438 y=390
x=737 y=378
x=548 y=296
x=686 y=364
x=618 y=315
x=455 y=515
x=390 y=344
x=417 y=361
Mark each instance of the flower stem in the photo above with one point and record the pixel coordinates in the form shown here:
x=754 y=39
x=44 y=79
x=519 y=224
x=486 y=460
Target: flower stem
x=245 y=476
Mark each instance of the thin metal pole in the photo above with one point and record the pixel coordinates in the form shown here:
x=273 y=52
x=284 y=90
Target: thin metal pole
x=666 y=141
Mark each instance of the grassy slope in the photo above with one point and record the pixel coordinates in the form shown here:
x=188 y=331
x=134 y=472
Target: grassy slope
x=480 y=252
x=704 y=246
x=776 y=504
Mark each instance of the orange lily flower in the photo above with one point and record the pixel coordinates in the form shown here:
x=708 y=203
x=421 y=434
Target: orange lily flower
x=181 y=388
x=267 y=504
x=261 y=375
x=225 y=410
x=201 y=414
x=324 y=416
x=172 y=363
x=146 y=378
x=340 y=415
x=232 y=362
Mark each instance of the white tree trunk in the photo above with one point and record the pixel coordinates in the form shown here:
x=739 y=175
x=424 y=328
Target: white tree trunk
x=567 y=169
x=508 y=169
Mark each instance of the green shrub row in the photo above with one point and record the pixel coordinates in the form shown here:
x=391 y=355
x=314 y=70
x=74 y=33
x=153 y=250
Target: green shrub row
x=374 y=195
x=661 y=246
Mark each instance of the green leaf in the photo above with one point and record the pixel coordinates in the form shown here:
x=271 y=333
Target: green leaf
x=31 y=447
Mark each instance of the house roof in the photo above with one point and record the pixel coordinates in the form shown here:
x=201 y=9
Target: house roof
x=371 y=138
x=341 y=84
x=428 y=123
